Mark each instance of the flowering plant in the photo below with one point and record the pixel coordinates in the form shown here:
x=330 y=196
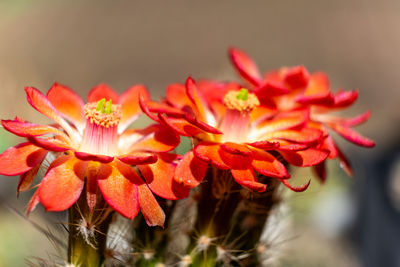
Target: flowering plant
x=245 y=137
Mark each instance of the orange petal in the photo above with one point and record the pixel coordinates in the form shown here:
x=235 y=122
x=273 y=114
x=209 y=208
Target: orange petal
x=21 y=158
x=118 y=185
x=198 y=102
x=176 y=96
x=236 y=156
x=68 y=103
x=91 y=184
x=93 y=157
x=289 y=121
x=25 y=129
x=160 y=178
x=297 y=77
x=130 y=105
x=44 y=106
x=245 y=66
x=318 y=85
x=266 y=164
x=248 y=179
x=62 y=184
x=190 y=170
x=352 y=135
x=157 y=138
x=305 y=158
x=103 y=91
x=209 y=152
x=305 y=135
x=265 y=145
x=151 y=210
x=137 y=158
x=329 y=144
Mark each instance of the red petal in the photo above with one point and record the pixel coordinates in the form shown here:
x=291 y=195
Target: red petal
x=25 y=129
x=266 y=164
x=21 y=158
x=91 y=185
x=50 y=144
x=137 y=158
x=248 y=179
x=26 y=179
x=345 y=98
x=356 y=120
x=158 y=139
x=92 y=157
x=305 y=135
x=44 y=106
x=330 y=145
x=130 y=105
x=62 y=184
x=317 y=91
x=288 y=121
x=305 y=158
x=118 y=184
x=265 y=145
x=103 y=91
x=271 y=88
x=344 y=163
x=190 y=170
x=32 y=203
x=245 y=66
x=68 y=103
x=297 y=77
x=236 y=156
x=289 y=146
x=320 y=170
x=151 y=210
x=145 y=108
x=209 y=152
x=236 y=149
x=160 y=178
x=198 y=102
x=300 y=188
x=352 y=135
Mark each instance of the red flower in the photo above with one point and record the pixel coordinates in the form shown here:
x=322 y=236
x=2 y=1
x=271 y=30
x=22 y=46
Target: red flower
x=235 y=133
x=92 y=146
x=294 y=88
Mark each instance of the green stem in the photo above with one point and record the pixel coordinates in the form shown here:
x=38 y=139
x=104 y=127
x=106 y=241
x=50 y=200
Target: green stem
x=88 y=233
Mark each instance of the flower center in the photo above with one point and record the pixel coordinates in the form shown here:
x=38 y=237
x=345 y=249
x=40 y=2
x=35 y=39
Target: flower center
x=101 y=132
x=236 y=122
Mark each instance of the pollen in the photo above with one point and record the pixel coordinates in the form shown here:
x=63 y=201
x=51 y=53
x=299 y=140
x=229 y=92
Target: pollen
x=103 y=113
x=242 y=100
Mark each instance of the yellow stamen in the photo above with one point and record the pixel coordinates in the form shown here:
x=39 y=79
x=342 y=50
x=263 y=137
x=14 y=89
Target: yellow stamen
x=102 y=113
x=242 y=100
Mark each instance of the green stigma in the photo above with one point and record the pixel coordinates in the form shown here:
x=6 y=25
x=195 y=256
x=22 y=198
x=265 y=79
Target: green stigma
x=243 y=94
x=104 y=107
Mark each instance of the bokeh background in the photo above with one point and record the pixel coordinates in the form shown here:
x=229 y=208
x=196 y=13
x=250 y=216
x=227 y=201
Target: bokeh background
x=347 y=222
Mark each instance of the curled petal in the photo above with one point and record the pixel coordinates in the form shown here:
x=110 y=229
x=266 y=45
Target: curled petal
x=236 y=149
x=62 y=184
x=245 y=66
x=145 y=108
x=137 y=158
x=130 y=105
x=32 y=203
x=151 y=210
x=157 y=139
x=209 y=152
x=286 y=122
x=304 y=136
x=190 y=171
x=160 y=178
x=118 y=184
x=330 y=145
x=344 y=163
x=198 y=102
x=92 y=157
x=68 y=103
x=289 y=146
x=305 y=158
x=176 y=96
x=352 y=135
x=300 y=188
x=21 y=158
x=235 y=156
x=25 y=129
x=248 y=179
x=266 y=164
x=270 y=89
x=50 y=144
x=103 y=91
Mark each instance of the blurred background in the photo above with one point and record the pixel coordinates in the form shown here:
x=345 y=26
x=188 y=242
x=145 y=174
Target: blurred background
x=347 y=222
